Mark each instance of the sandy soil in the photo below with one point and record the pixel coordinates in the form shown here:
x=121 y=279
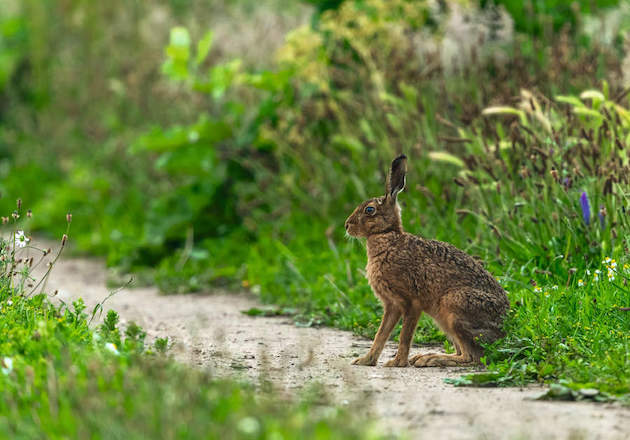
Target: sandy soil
x=209 y=331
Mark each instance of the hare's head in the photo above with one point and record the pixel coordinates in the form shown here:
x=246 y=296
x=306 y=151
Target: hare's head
x=380 y=214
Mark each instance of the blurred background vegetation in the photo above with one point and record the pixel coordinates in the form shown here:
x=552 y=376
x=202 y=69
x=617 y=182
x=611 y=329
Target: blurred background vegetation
x=203 y=143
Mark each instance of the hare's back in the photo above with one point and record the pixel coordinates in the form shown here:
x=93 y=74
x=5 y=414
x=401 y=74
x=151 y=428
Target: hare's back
x=452 y=267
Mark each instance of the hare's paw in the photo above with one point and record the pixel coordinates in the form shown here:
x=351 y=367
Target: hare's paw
x=443 y=360
x=414 y=359
x=365 y=360
x=396 y=362
x=424 y=360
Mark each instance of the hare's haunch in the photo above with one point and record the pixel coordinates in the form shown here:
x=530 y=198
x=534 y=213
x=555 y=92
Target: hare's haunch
x=411 y=275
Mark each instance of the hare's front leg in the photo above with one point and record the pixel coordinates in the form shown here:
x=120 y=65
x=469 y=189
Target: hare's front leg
x=391 y=316
x=410 y=321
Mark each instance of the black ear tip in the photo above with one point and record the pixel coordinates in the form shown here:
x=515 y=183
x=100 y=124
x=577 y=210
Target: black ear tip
x=400 y=159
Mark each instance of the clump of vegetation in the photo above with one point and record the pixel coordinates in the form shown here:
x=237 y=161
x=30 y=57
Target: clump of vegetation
x=62 y=377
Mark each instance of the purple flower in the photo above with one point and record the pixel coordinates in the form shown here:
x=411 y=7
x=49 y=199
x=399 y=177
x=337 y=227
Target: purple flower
x=566 y=182
x=586 y=208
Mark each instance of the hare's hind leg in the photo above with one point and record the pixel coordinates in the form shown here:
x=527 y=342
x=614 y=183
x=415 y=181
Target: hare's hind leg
x=468 y=353
x=468 y=350
x=467 y=315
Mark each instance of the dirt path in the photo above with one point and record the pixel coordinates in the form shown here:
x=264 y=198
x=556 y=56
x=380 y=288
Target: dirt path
x=210 y=331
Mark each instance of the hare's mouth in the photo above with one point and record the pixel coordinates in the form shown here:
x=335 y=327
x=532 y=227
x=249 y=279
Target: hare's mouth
x=351 y=229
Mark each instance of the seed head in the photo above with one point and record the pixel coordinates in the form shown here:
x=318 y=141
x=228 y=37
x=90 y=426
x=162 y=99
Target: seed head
x=19 y=204
x=29 y=213
x=69 y=218
x=64 y=239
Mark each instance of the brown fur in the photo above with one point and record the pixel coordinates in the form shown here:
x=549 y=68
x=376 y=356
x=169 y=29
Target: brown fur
x=412 y=275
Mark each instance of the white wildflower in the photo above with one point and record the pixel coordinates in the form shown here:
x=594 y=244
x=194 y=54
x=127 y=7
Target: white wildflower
x=21 y=240
x=6 y=365
x=112 y=348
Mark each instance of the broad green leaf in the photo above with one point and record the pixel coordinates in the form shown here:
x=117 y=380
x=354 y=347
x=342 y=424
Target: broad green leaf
x=179 y=37
x=178 y=54
x=220 y=78
x=203 y=47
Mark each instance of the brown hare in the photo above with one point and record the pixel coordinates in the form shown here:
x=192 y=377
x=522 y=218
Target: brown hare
x=411 y=275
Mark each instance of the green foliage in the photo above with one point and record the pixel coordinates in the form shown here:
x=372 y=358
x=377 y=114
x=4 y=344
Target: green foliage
x=61 y=378
x=323 y=5
x=11 y=41
x=576 y=332
x=527 y=183
x=536 y=17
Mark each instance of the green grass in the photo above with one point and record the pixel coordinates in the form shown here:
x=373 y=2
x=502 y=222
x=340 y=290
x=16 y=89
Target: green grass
x=569 y=332
x=62 y=378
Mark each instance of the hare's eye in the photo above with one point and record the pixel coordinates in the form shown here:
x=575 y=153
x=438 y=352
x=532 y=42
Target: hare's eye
x=369 y=209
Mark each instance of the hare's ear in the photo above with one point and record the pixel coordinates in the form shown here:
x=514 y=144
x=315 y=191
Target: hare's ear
x=396 y=179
